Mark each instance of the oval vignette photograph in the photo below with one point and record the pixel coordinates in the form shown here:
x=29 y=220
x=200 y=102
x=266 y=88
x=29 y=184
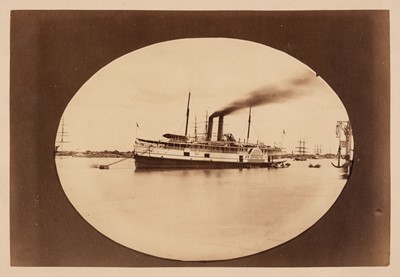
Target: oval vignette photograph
x=204 y=149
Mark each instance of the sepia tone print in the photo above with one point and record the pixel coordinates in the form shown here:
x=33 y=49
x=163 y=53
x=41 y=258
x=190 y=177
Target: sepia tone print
x=243 y=139
x=197 y=203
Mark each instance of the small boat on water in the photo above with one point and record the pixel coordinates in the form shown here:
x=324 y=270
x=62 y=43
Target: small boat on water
x=281 y=165
x=314 y=166
x=182 y=151
x=300 y=159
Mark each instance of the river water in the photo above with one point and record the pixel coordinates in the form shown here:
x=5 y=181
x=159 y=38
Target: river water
x=199 y=214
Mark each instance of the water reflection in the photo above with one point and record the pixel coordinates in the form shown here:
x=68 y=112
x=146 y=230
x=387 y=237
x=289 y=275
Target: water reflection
x=200 y=214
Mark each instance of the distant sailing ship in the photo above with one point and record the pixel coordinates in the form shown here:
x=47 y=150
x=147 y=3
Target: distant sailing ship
x=318 y=152
x=58 y=148
x=182 y=151
x=302 y=151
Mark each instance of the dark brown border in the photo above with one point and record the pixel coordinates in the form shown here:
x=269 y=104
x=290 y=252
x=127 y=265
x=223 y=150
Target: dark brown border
x=53 y=53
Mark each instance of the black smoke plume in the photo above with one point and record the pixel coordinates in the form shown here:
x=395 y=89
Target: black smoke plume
x=273 y=93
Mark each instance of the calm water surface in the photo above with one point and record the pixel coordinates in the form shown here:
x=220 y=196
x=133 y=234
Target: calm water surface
x=199 y=214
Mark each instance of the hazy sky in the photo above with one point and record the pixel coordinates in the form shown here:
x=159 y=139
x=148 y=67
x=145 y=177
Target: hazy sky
x=150 y=87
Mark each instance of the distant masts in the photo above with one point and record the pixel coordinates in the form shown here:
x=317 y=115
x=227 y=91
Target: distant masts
x=195 y=128
x=206 y=125
x=62 y=131
x=61 y=134
x=318 y=149
x=302 y=147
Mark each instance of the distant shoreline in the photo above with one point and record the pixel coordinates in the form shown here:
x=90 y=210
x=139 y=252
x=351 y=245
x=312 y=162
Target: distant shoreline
x=96 y=154
x=129 y=154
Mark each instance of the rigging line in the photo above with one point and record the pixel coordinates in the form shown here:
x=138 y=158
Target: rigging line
x=176 y=126
x=255 y=131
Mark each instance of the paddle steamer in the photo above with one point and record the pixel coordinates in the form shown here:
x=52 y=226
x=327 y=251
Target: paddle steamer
x=182 y=151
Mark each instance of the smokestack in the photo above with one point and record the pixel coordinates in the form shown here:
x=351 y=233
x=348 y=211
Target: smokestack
x=210 y=127
x=220 y=127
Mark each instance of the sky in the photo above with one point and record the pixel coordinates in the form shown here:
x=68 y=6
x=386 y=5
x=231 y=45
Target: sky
x=149 y=88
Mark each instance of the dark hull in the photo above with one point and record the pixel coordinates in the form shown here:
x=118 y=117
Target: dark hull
x=143 y=162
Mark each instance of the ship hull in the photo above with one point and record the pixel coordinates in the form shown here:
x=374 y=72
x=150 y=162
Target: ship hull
x=145 y=162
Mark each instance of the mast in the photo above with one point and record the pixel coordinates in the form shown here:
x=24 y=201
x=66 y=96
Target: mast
x=187 y=115
x=206 y=128
x=195 y=128
x=62 y=131
x=248 y=127
x=302 y=147
x=61 y=134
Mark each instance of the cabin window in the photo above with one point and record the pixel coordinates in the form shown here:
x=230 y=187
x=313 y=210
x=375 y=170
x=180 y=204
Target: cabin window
x=206 y=155
x=186 y=153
